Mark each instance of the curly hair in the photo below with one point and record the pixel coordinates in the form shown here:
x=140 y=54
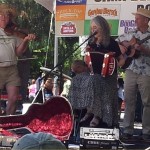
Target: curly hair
x=5 y=8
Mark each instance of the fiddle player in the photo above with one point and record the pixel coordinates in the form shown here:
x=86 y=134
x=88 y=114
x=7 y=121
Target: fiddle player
x=105 y=101
x=137 y=74
x=23 y=60
x=10 y=48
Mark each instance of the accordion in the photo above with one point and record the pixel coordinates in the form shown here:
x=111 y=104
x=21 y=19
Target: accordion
x=101 y=63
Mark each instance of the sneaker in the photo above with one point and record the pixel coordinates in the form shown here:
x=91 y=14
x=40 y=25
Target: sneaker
x=146 y=136
x=127 y=136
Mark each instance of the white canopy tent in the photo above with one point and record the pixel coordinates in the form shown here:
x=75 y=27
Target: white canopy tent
x=50 y=5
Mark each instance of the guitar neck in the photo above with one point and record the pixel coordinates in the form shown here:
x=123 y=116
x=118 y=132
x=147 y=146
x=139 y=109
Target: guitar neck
x=143 y=40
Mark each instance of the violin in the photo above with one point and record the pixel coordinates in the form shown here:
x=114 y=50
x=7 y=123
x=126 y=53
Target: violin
x=13 y=29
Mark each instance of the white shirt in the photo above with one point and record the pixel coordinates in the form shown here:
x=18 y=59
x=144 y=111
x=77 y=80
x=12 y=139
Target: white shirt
x=121 y=93
x=8 y=45
x=140 y=65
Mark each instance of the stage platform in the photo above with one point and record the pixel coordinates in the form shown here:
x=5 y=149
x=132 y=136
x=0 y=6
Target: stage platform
x=135 y=143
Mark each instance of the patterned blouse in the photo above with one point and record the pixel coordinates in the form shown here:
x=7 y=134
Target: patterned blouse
x=81 y=91
x=141 y=65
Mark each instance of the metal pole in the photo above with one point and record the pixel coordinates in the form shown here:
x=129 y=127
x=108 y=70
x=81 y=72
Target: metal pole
x=56 y=86
x=50 y=31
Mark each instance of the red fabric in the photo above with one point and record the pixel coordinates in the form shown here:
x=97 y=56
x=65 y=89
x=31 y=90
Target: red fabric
x=5 y=97
x=54 y=116
x=59 y=126
x=6 y=133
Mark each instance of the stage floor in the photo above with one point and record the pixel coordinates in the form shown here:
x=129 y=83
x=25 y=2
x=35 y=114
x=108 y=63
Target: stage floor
x=135 y=143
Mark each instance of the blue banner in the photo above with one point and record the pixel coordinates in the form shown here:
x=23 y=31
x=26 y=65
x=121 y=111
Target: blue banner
x=71 y=2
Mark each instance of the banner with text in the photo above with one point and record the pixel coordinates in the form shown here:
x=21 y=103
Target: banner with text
x=73 y=16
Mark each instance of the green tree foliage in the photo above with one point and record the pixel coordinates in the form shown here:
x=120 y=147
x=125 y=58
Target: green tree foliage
x=36 y=19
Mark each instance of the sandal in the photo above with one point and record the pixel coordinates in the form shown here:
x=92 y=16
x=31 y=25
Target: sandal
x=86 y=117
x=95 y=121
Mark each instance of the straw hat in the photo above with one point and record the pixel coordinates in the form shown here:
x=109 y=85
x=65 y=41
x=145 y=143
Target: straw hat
x=5 y=8
x=143 y=12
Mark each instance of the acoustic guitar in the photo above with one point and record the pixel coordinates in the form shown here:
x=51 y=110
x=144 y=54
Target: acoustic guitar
x=131 y=52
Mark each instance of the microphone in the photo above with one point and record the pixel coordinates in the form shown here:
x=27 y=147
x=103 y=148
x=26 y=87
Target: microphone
x=92 y=39
x=55 y=72
x=93 y=34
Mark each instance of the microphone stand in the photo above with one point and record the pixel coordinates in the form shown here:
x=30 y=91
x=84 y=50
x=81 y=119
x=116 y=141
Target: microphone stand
x=41 y=89
x=70 y=53
x=62 y=61
x=61 y=79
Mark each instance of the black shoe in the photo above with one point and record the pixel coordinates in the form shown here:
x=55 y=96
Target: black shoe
x=127 y=136
x=146 y=137
x=95 y=122
x=86 y=117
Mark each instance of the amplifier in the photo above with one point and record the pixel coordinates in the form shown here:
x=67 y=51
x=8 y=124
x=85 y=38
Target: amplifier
x=99 y=133
x=101 y=138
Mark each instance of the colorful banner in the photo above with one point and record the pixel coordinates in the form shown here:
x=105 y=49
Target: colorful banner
x=73 y=16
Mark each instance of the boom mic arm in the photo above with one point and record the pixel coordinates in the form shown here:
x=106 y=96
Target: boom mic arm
x=55 y=72
x=70 y=53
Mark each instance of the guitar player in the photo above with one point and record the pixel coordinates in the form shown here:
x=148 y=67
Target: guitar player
x=137 y=74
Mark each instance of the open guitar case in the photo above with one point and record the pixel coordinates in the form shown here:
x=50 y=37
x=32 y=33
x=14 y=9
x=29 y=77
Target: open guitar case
x=55 y=116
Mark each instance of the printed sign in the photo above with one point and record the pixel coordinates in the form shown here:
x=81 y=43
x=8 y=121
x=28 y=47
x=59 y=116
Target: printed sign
x=73 y=16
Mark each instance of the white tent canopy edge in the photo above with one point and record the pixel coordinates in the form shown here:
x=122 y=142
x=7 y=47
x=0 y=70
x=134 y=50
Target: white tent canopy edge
x=51 y=5
x=48 y=4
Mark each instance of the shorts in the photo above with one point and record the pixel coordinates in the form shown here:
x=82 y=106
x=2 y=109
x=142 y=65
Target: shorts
x=9 y=76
